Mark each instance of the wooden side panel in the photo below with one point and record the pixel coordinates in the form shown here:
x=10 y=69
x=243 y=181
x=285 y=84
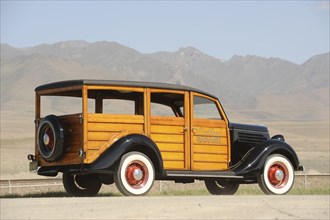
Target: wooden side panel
x=104 y=129
x=210 y=145
x=73 y=141
x=169 y=135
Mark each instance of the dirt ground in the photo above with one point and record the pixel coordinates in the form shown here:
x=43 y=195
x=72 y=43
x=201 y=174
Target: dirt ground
x=172 y=207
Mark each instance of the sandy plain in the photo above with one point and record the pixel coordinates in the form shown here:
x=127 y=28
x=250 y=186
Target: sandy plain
x=172 y=207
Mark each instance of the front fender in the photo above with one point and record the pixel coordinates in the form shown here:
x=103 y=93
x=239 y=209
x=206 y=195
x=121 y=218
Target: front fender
x=128 y=143
x=253 y=163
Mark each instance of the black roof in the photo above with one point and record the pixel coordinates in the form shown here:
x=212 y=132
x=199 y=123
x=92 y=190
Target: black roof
x=62 y=84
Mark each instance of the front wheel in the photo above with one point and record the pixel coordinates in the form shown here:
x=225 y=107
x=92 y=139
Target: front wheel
x=277 y=176
x=135 y=174
x=221 y=187
x=81 y=185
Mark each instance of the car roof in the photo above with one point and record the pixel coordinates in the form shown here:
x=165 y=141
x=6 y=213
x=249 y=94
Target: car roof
x=61 y=84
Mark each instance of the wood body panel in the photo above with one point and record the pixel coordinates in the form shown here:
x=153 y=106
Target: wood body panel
x=73 y=141
x=105 y=129
x=209 y=142
x=168 y=134
x=185 y=143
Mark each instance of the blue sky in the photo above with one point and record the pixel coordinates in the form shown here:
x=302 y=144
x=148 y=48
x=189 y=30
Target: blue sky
x=291 y=30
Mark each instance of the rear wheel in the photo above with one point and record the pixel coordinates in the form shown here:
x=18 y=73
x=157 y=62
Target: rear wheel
x=221 y=187
x=81 y=185
x=135 y=174
x=277 y=176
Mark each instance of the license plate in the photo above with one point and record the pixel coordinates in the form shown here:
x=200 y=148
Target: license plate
x=33 y=165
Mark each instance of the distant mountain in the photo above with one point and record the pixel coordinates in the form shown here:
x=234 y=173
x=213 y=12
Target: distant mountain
x=248 y=86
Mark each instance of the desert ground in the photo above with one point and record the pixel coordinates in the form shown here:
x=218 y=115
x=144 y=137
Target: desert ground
x=173 y=207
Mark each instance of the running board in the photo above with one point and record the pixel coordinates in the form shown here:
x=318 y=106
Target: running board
x=206 y=174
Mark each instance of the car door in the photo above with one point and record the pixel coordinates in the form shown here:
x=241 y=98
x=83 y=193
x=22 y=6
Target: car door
x=209 y=134
x=169 y=120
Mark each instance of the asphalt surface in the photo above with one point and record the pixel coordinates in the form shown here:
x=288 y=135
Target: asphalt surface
x=169 y=207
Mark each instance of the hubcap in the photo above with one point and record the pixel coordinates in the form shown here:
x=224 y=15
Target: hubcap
x=48 y=139
x=137 y=174
x=278 y=175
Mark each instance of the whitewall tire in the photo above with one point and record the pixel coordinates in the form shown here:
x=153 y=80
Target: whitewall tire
x=277 y=176
x=135 y=174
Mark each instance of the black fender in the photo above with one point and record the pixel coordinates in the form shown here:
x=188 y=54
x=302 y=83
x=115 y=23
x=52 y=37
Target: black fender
x=255 y=159
x=132 y=142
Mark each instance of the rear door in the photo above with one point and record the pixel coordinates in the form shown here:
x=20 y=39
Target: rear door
x=169 y=119
x=209 y=134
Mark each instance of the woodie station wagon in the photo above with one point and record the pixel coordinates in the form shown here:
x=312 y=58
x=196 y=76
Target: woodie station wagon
x=133 y=133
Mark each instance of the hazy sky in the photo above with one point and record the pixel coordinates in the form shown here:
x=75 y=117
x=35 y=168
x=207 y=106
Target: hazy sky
x=292 y=30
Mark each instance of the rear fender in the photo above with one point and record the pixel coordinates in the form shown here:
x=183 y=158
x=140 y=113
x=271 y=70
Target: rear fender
x=254 y=161
x=132 y=142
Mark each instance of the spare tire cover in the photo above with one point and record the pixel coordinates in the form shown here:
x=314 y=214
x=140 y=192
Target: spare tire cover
x=50 y=138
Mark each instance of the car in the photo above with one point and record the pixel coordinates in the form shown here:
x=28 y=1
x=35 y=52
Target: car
x=130 y=133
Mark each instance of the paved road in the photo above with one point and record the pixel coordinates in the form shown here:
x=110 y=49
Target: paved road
x=170 y=207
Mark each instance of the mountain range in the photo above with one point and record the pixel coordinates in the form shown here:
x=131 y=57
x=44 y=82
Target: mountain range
x=249 y=87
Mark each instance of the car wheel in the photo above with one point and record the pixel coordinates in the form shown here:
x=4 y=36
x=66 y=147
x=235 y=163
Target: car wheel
x=135 y=174
x=50 y=138
x=81 y=185
x=221 y=187
x=277 y=176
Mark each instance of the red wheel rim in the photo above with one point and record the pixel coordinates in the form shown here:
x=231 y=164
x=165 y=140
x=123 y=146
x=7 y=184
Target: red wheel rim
x=48 y=139
x=278 y=175
x=137 y=174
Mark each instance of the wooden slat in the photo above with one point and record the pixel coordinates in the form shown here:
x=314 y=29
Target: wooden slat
x=107 y=118
x=100 y=136
x=96 y=145
x=175 y=156
x=198 y=157
x=210 y=166
x=209 y=123
x=167 y=138
x=209 y=131
x=125 y=88
x=173 y=165
x=114 y=127
x=206 y=140
x=170 y=147
x=163 y=120
x=167 y=129
x=211 y=149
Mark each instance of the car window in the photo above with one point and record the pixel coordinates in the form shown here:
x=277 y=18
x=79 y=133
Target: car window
x=205 y=108
x=116 y=102
x=60 y=105
x=167 y=104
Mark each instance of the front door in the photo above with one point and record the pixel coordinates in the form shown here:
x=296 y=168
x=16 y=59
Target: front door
x=209 y=134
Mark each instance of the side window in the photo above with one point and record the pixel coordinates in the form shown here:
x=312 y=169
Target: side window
x=167 y=104
x=121 y=102
x=118 y=106
x=205 y=109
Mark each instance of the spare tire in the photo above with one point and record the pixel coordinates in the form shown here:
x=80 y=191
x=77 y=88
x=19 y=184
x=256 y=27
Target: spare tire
x=50 y=138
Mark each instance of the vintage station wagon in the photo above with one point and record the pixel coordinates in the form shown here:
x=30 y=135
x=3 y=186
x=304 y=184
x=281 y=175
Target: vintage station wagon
x=133 y=133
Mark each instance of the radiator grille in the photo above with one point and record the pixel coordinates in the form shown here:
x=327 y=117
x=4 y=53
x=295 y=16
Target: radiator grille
x=251 y=137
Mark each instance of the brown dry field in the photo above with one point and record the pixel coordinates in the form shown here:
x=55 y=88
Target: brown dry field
x=310 y=139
